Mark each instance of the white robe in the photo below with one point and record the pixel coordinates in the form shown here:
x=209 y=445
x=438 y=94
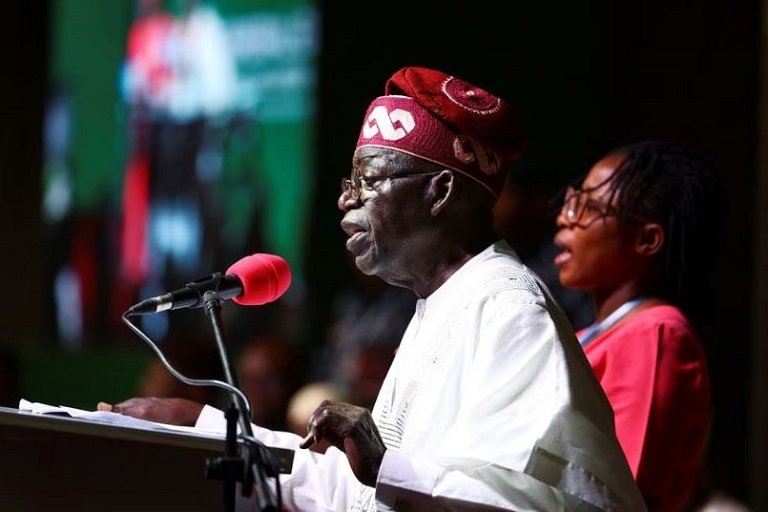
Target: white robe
x=490 y=404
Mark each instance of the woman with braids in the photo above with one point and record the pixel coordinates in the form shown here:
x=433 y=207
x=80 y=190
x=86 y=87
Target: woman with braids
x=633 y=234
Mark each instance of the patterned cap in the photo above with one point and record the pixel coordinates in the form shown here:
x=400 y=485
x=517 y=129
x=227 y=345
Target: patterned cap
x=443 y=119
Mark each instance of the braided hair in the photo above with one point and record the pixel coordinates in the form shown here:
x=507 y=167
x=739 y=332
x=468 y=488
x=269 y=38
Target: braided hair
x=664 y=182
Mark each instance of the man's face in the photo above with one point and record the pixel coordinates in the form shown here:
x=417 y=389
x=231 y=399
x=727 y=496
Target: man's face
x=383 y=212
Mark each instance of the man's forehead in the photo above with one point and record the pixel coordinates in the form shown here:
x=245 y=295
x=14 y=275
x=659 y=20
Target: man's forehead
x=373 y=158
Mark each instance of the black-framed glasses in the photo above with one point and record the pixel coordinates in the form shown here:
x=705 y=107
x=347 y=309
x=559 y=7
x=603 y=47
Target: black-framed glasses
x=580 y=209
x=356 y=183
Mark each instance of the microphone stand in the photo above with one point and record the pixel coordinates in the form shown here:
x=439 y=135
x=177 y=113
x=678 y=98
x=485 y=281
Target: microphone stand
x=231 y=467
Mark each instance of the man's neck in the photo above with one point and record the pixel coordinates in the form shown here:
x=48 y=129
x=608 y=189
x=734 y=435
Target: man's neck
x=437 y=275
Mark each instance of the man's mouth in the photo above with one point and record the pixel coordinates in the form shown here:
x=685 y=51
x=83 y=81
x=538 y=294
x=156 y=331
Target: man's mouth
x=356 y=241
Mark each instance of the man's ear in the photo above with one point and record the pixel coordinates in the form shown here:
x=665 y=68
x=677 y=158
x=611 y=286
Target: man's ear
x=441 y=189
x=649 y=239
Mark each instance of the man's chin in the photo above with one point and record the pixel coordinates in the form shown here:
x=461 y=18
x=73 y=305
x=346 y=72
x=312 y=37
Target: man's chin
x=366 y=264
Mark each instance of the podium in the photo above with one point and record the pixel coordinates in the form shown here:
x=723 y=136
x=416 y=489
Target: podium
x=60 y=463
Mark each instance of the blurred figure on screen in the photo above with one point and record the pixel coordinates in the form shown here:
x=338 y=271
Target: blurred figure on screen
x=179 y=82
x=146 y=79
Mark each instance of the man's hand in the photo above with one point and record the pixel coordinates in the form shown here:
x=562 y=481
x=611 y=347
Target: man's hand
x=350 y=429
x=174 y=411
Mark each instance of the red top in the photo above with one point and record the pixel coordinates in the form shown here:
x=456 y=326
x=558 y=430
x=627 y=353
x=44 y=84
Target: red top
x=653 y=369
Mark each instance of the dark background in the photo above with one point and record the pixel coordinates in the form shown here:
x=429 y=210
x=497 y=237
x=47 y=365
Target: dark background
x=585 y=76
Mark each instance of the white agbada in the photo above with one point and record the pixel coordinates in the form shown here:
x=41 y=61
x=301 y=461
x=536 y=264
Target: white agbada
x=490 y=404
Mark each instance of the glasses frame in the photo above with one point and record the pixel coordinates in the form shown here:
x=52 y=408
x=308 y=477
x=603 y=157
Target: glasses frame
x=356 y=183
x=575 y=205
x=575 y=216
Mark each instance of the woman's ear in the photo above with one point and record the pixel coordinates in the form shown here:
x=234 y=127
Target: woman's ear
x=441 y=188
x=649 y=239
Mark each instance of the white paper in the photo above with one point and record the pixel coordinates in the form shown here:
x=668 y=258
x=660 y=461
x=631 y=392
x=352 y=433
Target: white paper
x=105 y=417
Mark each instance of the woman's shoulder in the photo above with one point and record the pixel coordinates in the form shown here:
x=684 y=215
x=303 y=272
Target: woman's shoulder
x=655 y=333
x=662 y=314
x=664 y=323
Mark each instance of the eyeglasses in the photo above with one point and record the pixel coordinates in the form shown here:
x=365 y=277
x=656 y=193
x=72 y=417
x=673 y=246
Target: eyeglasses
x=356 y=183
x=579 y=209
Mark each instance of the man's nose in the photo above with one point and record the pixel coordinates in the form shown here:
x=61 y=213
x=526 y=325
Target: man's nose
x=347 y=201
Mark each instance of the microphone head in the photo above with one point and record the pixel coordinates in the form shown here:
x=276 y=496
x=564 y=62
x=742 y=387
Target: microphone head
x=265 y=277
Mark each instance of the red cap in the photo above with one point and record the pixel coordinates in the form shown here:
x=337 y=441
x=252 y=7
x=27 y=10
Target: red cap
x=446 y=120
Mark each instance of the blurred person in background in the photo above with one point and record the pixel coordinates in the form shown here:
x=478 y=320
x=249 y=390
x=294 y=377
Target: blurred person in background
x=304 y=402
x=270 y=371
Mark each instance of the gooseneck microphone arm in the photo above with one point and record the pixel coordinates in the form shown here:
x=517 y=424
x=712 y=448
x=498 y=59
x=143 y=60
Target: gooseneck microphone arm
x=186 y=380
x=252 y=281
x=231 y=468
x=253 y=476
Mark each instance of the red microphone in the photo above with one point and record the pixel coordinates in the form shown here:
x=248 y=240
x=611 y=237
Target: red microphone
x=253 y=281
x=264 y=278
